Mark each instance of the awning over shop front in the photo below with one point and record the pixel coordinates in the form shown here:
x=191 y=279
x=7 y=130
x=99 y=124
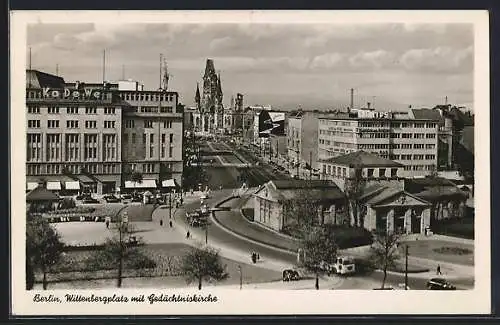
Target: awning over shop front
x=31 y=186
x=72 y=185
x=146 y=183
x=54 y=186
x=170 y=183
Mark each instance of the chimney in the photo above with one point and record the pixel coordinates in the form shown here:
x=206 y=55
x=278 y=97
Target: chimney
x=368 y=105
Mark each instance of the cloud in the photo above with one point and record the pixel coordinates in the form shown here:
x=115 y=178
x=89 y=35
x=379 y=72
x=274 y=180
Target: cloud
x=440 y=59
x=328 y=61
x=374 y=59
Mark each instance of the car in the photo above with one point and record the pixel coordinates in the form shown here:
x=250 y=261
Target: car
x=126 y=197
x=89 y=200
x=204 y=196
x=439 y=284
x=136 y=198
x=290 y=275
x=111 y=199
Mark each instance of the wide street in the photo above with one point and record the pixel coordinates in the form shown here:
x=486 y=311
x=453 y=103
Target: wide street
x=220 y=235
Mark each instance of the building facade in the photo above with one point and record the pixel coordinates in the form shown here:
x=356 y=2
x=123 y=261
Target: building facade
x=411 y=142
x=96 y=135
x=152 y=135
x=302 y=138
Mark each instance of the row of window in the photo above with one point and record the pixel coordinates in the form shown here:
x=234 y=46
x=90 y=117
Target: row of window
x=35 y=109
x=51 y=169
x=381 y=124
x=147 y=97
x=371 y=146
x=419 y=167
x=70 y=124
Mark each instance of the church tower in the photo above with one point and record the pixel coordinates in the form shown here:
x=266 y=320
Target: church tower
x=209 y=97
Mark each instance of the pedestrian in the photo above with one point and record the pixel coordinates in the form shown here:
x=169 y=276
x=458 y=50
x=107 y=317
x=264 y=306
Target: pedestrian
x=258 y=257
x=171 y=225
x=188 y=234
x=107 y=222
x=438 y=270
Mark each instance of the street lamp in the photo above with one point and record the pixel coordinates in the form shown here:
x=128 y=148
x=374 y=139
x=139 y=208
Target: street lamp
x=241 y=276
x=406 y=267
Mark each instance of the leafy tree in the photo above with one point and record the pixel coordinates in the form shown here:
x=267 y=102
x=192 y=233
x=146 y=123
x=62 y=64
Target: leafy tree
x=353 y=189
x=136 y=177
x=319 y=247
x=203 y=264
x=384 y=251
x=119 y=253
x=301 y=213
x=43 y=247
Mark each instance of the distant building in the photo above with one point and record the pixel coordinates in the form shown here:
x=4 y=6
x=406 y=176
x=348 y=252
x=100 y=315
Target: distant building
x=302 y=138
x=209 y=103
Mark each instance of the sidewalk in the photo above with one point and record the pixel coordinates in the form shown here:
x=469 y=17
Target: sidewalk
x=458 y=240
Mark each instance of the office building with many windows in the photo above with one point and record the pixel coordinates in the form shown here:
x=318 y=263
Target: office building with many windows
x=409 y=141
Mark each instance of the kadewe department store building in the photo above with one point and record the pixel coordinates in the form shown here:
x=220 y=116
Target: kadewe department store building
x=73 y=134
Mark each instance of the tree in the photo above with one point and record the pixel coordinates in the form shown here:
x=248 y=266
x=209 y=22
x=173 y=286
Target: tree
x=203 y=264
x=353 y=189
x=302 y=212
x=384 y=251
x=319 y=247
x=43 y=247
x=119 y=252
x=136 y=177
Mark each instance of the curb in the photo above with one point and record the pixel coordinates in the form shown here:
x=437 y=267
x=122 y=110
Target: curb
x=241 y=236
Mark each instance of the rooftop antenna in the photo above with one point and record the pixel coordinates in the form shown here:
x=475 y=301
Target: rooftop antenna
x=446 y=100
x=161 y=67
x=104 y=66
x=123 y=71
x=57 y=70
x=166 y=75
x=29 y=65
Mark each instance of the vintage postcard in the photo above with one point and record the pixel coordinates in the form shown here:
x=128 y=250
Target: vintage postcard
x=250 y=162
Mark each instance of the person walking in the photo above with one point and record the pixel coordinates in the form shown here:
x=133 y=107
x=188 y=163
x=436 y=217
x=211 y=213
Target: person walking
x=438 y=270
x=107 y=221
x=188 y=235
x=171 y=225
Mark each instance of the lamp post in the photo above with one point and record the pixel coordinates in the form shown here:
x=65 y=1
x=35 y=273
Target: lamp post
x=241 y=276
x=170 y=204
x=406 y=267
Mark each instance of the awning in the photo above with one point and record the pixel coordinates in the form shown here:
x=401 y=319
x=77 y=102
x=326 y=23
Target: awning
x=31 y=186
x=72 y=185
x=146 y=183
x=169 y=183
x=54 y=186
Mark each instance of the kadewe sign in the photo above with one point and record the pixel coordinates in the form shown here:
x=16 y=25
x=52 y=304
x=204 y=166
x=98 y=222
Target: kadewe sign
x=73 y=94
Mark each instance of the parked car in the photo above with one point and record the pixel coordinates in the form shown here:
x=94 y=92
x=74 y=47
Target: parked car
x=136 y=198
x=439 y=284
x=290 y=275
x=89 y=200
x=111 y=199
x=126 y=197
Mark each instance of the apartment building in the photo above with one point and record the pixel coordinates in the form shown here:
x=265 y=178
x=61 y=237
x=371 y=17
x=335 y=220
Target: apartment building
x=73 y=134
x=302 y=138
x=95 y=135
x=409 y=141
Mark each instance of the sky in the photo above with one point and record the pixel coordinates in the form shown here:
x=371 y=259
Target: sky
x=312 y=66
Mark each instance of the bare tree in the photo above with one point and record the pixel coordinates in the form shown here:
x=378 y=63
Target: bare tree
x=353 y=189
x=384 y=251
x=203 y=264
x=319 y=247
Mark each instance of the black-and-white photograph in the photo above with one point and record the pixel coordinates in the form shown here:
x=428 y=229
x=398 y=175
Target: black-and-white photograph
x=245 y=156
